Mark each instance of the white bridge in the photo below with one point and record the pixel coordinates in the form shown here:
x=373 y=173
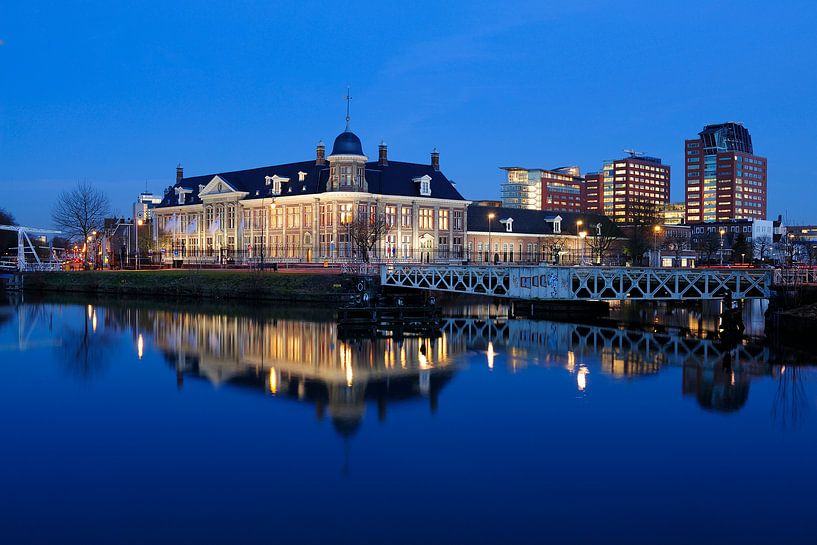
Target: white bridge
x=583 y=283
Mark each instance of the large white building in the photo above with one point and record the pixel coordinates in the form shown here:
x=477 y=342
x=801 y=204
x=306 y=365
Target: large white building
x=305 y=211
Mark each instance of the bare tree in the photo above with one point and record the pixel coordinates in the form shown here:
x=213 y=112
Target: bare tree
x=601 y=238
x=558 y=245
x=80 y=211
x=676 y=243
x=366 y=232
x=707 y=246
x=7 y=238
x=761 y=246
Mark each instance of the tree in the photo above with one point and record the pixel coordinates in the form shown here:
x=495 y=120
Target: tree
x=81 y=211
x=366 y=232
x=676 y=243
x=7 y=238
x=637 y=244
x=601 y=238
x=761 y=246
x=707 y=246
x=741 y=248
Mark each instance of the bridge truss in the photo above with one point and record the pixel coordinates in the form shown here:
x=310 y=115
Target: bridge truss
x=28 y=259
x=583 y=283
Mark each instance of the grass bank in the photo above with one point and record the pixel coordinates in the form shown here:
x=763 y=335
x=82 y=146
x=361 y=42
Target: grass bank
x=199 y=284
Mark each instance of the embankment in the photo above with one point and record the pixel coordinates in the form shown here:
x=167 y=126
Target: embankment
x=200 y=284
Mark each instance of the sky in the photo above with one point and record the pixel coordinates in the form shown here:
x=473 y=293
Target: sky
x=119 y=93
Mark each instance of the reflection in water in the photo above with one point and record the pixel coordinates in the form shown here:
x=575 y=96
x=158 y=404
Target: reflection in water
x=298 y=359
x=303 y=359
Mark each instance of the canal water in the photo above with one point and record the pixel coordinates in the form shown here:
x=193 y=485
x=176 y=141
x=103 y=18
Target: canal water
x=153 y=422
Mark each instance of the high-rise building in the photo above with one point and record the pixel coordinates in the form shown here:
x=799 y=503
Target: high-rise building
x=672 y=213
x=724 y=178
x=558 y=190
x=593 y=182
x=634 y=188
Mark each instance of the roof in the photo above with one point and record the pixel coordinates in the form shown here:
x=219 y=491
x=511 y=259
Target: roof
x=347 y=143
x=535 y=222
x=396 y=178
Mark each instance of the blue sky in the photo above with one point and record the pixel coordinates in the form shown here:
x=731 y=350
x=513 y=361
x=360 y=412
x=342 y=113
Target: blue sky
x=118 y=93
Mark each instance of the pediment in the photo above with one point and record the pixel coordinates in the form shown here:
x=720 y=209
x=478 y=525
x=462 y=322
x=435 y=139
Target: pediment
x=217 y=186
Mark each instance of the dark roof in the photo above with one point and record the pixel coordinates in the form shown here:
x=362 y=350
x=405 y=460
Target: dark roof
x=396 y=178
x=347 y=143
x=535 y=222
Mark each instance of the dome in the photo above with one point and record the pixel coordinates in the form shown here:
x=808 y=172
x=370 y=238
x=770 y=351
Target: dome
x=347 y=143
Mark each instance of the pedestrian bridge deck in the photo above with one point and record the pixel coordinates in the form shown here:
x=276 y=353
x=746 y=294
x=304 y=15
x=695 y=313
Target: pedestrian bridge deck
x=583 y=283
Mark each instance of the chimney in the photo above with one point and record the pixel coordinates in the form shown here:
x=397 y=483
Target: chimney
x=435 y=160
x=320 y=154
x=383 y=159
x=179 y=173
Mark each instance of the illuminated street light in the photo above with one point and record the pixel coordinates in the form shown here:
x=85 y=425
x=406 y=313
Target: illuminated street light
x=722 y=232
x=491 y=216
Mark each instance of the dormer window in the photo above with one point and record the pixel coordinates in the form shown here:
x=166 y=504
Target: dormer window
x=508 y=222
x=557 y=223
x=424 y=183
x=301 y=176
x=275 y=181
x=181 y=194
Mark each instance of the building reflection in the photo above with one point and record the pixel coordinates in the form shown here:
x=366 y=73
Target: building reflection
x=717 y=376
x=304 y=360
x=298 y=359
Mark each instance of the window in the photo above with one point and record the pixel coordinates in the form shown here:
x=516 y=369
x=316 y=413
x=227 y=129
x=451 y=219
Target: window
x=405 y=216
x=442 y=219
x=277 y=220
x=326 y=215
x=307 y=216
x=426 y=218
x=390 y=215
x=458 y=220
x=231 y=217
x=406 y=246
x=345 y=213
x=293 y=217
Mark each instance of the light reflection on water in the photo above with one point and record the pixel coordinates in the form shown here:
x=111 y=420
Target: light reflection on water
x=528 y=375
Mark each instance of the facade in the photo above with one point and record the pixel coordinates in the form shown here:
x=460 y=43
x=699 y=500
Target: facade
x=724 y=179
x=308 y=211
x=593 y=183
x=511 y=235
x=672 y=214
x=719 y=239
x=560 y=189
x=634 y=188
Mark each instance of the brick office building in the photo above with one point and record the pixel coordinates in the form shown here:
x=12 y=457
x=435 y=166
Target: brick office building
x=725 y=180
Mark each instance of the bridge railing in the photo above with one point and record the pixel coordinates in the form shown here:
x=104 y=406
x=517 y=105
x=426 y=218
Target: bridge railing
x=795 y=276
x=583 y=283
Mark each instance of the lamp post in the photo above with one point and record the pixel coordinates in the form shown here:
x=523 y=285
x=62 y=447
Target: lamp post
x=579 y=223
x=491 y=216
x=136 y=237
x=791 y=249
x=582 y=236
x=655 y=231
x=722 y=232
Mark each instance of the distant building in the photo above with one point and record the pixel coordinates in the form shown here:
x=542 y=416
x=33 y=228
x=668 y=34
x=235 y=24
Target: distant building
x=721 y=237
x=512 y=235
x=724 y=179
x=672 y=214
x=558 y=190
x=634 y=188
x=593 y=182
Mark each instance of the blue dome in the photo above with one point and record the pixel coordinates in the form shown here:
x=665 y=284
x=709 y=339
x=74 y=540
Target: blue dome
x=347 y=143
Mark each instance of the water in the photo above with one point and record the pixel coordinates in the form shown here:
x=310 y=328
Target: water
x=150 y=422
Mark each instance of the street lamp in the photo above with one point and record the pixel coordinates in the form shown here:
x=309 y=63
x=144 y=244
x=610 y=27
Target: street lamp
x=136 y=236
x=655 y=231
x=722 y=232
x=491 y=216
x=582 y=236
